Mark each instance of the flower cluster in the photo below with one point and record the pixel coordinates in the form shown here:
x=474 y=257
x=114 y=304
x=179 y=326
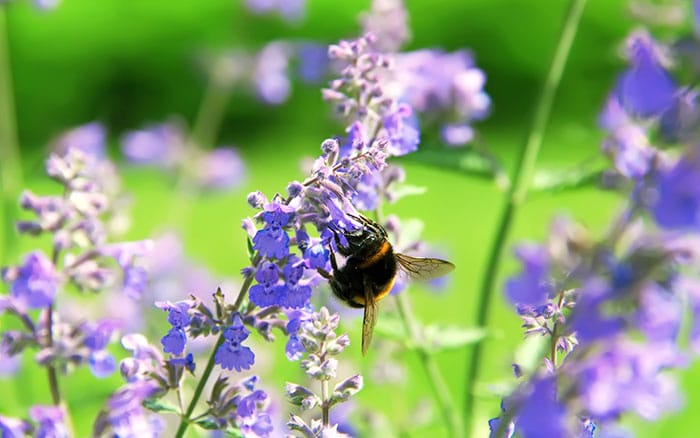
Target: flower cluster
x=315 y=333
x=444 y=89
x=81 y=256
x=612 y=307
x=79 y=224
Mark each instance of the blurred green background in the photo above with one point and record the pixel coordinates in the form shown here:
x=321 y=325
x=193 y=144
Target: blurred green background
x=127 y=63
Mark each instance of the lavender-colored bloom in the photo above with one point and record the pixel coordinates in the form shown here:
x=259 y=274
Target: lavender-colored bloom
x=88 y=139
x=97 y=337
x=590 y=321
x=47 y=5
x=291 y=10
x=186 y=362
x=627 y=377
x=541 y=415
x=313 y=62
x=35 y=283
x=160 y=145
x=232 y=354
x=446 y=87
x=628 y=143
x=221 y=168
x=174 y=341
x=531 y=286
x=101 y=363
x=297 y=295
x=135 y=281
x=13 y=427
x=125 y=415
x=270 y=75
x=294 y=348
x=645 y=89
x=402 y=131
x=178 y=313
x=267 y=292
x=388 y=21
x=678 y=199
x=50 y=421
x=272 y=242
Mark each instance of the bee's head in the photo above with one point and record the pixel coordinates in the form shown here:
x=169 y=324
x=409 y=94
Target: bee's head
x=357 y=236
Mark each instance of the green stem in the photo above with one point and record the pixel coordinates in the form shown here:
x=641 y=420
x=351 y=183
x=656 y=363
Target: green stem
x=432 y=371
x=202 y=137
x=186 y=418
x=10 y=161
x=325 y=399
x=522 y=175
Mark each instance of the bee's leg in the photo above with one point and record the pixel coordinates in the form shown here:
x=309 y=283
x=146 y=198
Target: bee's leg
x=323 y=273
x=334 y=263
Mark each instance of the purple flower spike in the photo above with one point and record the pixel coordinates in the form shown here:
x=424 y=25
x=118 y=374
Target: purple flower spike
x=645 y=89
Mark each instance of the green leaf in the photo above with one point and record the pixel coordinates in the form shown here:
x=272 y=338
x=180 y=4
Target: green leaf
x=439 y=338
x=251 y=251
x=160 y=406
x=399 y=191
x=465 y=160
x=570 y=179
x=391 y=327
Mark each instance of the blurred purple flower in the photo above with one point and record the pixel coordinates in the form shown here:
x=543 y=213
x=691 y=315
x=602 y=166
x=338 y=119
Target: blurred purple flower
x=531 y=287
x=678 y=203
x=270 y=75
x=161 y=145
x=88 y=139
x=101 y=363
x=13 y=427
x=221 y=168
x=35 y=283
x=627 y=143
x=47 y=5
x=313 y=62
x=290 y=10
x=402 y=130
x=446 y=87
x=591 y=322
x=388 y=21
x=125 y=416
x=678 y=199
x=50 y=421
x=97 y=338
x=541 y=415
x=626 y=376
x=646 y=89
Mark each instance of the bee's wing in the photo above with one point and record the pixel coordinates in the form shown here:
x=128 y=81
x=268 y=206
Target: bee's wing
x=422 y=268
x=370 y=318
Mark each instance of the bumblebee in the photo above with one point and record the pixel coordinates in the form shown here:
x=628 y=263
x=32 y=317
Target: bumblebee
x=370 y=270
